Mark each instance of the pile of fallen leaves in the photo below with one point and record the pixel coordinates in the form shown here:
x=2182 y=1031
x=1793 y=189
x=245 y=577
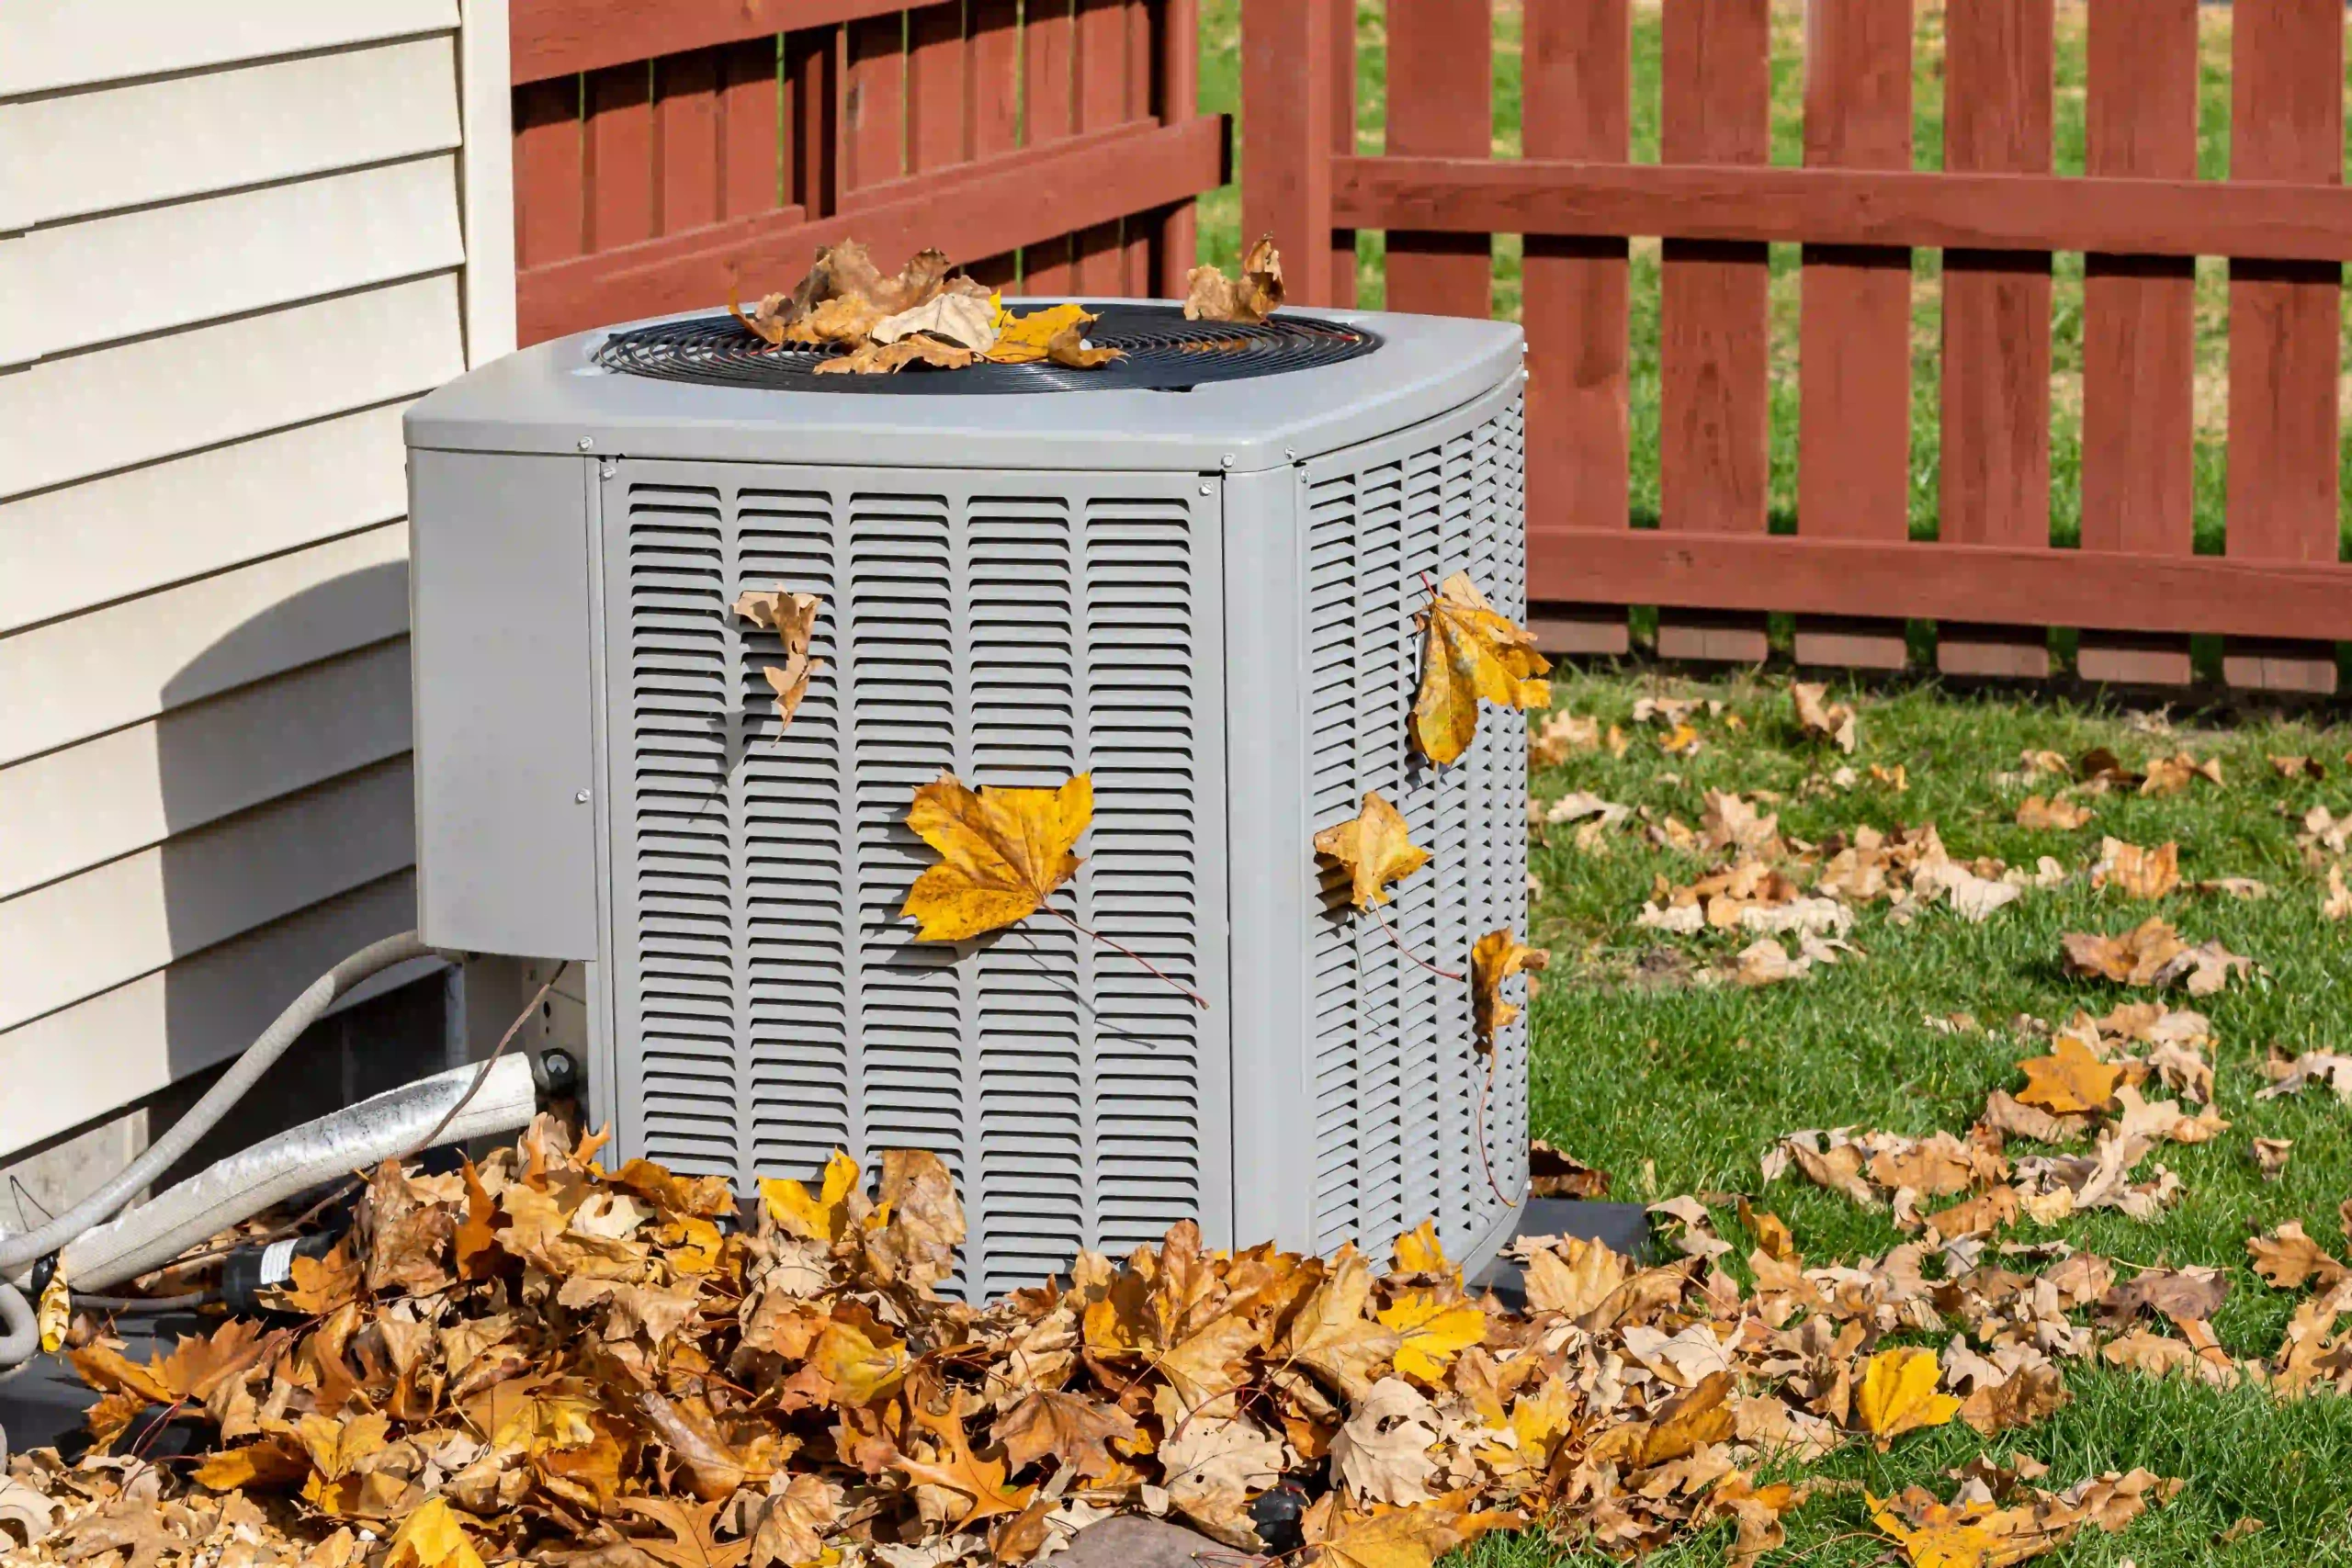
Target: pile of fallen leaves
x=538 y=1359
x=870 y=323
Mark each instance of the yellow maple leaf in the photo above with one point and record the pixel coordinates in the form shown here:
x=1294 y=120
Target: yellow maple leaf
x=819 y=1218
x=1494 y=958
x=1471 y=650
x=2069 y=1080
x=1002 y=853
x=860 y=1369
x=1411 y=1537
x=1375 y=848
x=432 y=1537
x=1419 y=1251
x=1899 y=1395
x=1023 y=340
x=1431 y=1331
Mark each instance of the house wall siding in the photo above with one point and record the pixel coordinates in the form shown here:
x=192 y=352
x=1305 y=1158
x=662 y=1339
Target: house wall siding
x=236 y=242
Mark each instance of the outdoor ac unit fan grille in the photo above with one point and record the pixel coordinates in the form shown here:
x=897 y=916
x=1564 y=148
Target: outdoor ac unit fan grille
x=776 y=1006
x=1164 y=353
x=1395 y=1078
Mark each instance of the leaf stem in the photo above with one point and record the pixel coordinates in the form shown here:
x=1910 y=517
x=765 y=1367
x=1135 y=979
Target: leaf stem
x=1494 y=1049
x=1191 y=995
x=1393 y=937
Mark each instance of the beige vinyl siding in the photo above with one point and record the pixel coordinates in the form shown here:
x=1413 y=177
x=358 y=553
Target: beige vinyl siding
x=235 y=242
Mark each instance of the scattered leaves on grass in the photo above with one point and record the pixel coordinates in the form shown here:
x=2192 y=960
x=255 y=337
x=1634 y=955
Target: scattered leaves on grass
x=2170 y=775
x=1210 y=296
x=2298 y=767
x=1002 y=853
x=1470 y=651
x=2290 y=1260
x=2270 y=1157
x=1978 y=1531
x=2152 y=954
x=1375 y=848
x=1554 y=1174
x=2057 y=812
x=2290 y=1074
x=2135 y=872
x=1899 y=1395
x=1563 y=735
x=1817 y=715
x=2070 y=1079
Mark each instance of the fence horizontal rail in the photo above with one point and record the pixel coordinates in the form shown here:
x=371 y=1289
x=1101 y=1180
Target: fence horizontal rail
x=1930 y=580
x=1017 y=198
x=561 y=38
x=1845 y=207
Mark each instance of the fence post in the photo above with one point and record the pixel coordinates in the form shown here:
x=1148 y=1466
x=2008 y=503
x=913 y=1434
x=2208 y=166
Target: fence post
x=1286 y=116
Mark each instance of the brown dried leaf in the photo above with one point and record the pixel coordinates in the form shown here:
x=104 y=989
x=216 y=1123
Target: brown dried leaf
x=1210 y=296
x=2057 y=813
x=2135 y=871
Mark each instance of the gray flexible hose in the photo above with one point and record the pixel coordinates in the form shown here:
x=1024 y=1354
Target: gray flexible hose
x=22 y=1339
x=15 y=1251
x=461 y=1103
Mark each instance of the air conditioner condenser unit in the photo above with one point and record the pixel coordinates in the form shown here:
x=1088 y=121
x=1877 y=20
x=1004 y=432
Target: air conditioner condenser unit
x=1193 y=573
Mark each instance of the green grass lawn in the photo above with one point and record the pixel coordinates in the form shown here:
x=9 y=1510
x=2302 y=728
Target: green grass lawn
x=1678 y=1087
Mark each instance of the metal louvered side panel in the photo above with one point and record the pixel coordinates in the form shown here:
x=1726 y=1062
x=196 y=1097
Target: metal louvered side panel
x=1396 y=1081
x=677 y=845
x=771 y=1002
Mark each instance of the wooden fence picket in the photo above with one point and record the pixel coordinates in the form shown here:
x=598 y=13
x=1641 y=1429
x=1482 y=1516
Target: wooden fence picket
x=1995 y=490
x=1854 y=336
x=1441 y=103
x=1715 y=458
x=2139 y=363
x=1577 y=102
x=2285 y=123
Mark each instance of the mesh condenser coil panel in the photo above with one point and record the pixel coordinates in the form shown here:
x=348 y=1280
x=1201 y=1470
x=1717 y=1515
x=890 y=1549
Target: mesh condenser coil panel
x=773 y=1004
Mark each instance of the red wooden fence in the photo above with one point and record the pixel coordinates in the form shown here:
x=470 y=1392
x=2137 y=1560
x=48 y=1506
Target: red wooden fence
x=666 y=148
x=1992 y=579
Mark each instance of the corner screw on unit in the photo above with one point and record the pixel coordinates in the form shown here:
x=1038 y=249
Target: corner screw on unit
x=1225 y=461
x=1291 y=453
x=581 y=798
x=1208 y=490
x=587 y=443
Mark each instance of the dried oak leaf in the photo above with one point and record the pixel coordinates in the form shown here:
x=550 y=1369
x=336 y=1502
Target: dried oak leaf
x=2181 y=1295
x=2289 y=1258
x=693 y=1539
x=133 y=1526
x=1899 y=1395
x=1816 y=714
x=2135 y=958
x=1383 y=1451
x=1375 y=848
x=1551 y=1173
x=1697 y=1416
x=1210 y=296
x=1002 y=853
x=1072 y=1429
x=1494 y=958
x=1070 y=349
x=1212 y=1468
x=1470 y=650
x=955 y=1467
x=2030 y=1394
x=964 y=318
x=2270 y=1157
x=793 y=617
x=2135 y=871
x=2069 y=1080
x=917 y=1244
x=847 y=318
x=890 y=358
x=2056 y=812
x=1333 y=1336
